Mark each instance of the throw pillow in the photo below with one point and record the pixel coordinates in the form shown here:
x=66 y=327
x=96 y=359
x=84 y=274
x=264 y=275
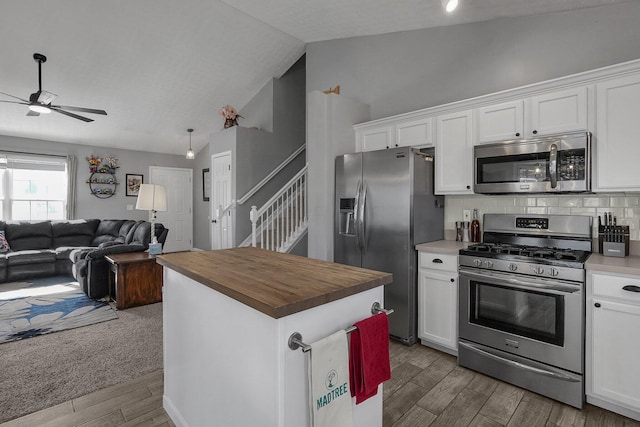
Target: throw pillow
x=4 y=245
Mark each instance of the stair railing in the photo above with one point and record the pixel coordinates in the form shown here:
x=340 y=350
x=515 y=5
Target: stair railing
x=221 y=211
x=282 y=219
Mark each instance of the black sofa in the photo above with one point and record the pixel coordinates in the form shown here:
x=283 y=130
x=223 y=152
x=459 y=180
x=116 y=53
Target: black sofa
x=76 y=247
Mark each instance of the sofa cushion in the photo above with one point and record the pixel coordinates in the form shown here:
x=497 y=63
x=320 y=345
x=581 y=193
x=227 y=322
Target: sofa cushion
x=25 y=235
x=74 y=233
x=141 y=235
x=4 y=245
x=108 y=230
x=31 y=257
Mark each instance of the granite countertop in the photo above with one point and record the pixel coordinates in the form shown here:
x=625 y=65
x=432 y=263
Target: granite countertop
x=446 y=247
x=273 y=283
x=622 y=265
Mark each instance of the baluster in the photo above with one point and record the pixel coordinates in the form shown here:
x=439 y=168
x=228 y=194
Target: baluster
x=253 y=216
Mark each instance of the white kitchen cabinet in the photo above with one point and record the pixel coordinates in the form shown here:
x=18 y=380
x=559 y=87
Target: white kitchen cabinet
x=545 y=114
x=411 y=131
x=414 y=133
x=454 y=153
x=617 y=151
x=438 y=301
x=375 y=139
x=612 y=344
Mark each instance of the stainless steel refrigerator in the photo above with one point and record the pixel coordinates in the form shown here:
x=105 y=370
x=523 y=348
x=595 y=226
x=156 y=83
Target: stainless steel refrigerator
x=385 y=205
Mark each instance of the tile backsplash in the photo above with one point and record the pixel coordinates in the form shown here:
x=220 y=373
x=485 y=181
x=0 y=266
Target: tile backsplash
x=625 y=206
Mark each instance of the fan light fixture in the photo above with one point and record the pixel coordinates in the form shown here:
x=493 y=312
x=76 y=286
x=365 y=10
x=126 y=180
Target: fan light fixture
x=450 y=5
x=190 y=154
x=39 y=109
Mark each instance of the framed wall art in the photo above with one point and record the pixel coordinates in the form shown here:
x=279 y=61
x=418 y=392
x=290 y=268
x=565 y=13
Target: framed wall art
x=133 y=182
x=206 y=185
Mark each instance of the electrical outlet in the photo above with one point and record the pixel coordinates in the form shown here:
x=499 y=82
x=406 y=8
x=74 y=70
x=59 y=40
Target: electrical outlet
x=466 y=215
x=129 y=207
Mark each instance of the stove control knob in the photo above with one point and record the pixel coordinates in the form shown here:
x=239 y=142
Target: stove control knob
x=488 y=264
x=477 y=262
x=538 y=270
x=512 y=266
x=553 y=272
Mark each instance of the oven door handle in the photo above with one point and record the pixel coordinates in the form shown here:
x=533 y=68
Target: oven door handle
x=533 y=369
x=522 y=284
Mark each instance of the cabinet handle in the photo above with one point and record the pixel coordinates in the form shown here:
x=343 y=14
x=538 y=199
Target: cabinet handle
x=437 y=260
x=535 y=132
x=517 y=133
x=387 y=147
x=396 y=145
x=597 y=304
x=631 y=288
x=468 y=187
x=453 y=280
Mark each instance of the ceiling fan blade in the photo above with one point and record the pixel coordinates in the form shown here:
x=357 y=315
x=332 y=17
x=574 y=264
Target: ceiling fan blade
x=46 y=98
x=66 y=113
x=23 y=100
x=15 y=102
x=33 y=113
x=84 y=110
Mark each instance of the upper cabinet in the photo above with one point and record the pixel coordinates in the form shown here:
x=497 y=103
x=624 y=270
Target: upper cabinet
x=617 y=151
x=544 y=114
x=454 y=153
x=414 y=131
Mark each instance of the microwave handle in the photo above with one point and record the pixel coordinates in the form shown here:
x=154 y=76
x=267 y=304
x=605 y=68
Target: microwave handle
x=553 y=165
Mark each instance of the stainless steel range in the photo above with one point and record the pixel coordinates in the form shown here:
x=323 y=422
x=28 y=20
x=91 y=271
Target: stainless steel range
x=522 y=303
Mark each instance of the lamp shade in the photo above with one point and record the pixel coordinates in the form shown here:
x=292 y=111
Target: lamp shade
x=152 y=197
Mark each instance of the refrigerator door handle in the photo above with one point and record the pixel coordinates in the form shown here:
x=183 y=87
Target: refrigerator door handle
x=356 y=214
x=363 y=223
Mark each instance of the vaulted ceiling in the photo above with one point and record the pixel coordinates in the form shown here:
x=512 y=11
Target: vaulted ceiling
x=159 y=67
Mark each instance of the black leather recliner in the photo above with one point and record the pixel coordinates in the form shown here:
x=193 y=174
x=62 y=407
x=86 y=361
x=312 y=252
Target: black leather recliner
x=91 y=269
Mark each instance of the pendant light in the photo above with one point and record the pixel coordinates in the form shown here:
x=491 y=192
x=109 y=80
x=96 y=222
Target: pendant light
x=190 y=154
x=450 y=5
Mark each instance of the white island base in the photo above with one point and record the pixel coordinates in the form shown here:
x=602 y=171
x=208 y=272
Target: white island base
x=227 y=364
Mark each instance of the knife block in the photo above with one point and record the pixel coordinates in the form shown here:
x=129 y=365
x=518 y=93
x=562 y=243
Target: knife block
x=613 y=240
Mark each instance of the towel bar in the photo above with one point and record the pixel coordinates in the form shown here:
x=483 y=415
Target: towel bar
x=295 y=340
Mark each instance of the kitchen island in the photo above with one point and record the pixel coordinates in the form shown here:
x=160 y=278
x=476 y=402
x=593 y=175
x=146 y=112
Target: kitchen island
x=228 y=316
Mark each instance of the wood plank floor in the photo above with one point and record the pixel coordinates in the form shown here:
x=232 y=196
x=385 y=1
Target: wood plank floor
x=427 y=388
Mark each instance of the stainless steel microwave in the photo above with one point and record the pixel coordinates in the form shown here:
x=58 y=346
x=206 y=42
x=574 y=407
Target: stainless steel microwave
x=550 y=164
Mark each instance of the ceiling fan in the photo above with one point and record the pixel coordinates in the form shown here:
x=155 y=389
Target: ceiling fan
x=40 y=102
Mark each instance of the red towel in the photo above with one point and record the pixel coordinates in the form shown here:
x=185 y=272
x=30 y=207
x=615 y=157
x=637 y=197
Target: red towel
x=369 y=356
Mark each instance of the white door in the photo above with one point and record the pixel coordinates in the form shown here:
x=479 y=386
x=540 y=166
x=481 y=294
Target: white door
x=179 y=217
x=222 y=230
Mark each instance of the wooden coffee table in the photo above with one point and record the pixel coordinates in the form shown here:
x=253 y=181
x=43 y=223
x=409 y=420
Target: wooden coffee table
x=138 y=279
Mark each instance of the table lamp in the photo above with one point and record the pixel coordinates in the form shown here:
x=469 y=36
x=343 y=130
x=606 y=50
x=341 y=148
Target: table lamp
x=152 y=197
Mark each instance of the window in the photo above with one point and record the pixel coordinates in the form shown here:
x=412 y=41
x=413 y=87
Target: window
x=33 y=187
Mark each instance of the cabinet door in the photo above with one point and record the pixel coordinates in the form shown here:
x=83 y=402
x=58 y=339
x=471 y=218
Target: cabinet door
x=454 y=154
x=561 y=111
x=615 y=348
x=617 y=147
x=500 y=122
x=414 y=133
x=438 y=308
x=376 y=139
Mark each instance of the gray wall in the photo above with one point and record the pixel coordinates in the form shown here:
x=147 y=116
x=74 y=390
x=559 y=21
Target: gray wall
x=87 y=205
x=201 y=220
x=401 y=72
x=256 y=151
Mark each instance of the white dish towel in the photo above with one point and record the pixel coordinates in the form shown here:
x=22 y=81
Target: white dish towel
x=329 y=375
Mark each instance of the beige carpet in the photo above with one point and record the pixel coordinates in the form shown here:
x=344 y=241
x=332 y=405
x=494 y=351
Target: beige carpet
x=43 y=371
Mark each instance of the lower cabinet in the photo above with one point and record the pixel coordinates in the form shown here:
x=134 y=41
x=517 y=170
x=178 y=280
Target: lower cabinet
x=438 y=302
x=613 y=343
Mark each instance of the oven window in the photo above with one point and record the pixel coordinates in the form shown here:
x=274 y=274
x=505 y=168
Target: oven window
x=531 y=314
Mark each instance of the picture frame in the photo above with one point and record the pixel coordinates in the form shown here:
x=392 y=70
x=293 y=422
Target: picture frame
x=132 y=182
x=206 y=185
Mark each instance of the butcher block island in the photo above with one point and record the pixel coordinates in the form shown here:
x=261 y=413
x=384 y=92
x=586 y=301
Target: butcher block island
x=228 y=315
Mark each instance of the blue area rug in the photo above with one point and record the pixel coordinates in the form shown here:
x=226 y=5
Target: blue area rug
x=42 y=306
